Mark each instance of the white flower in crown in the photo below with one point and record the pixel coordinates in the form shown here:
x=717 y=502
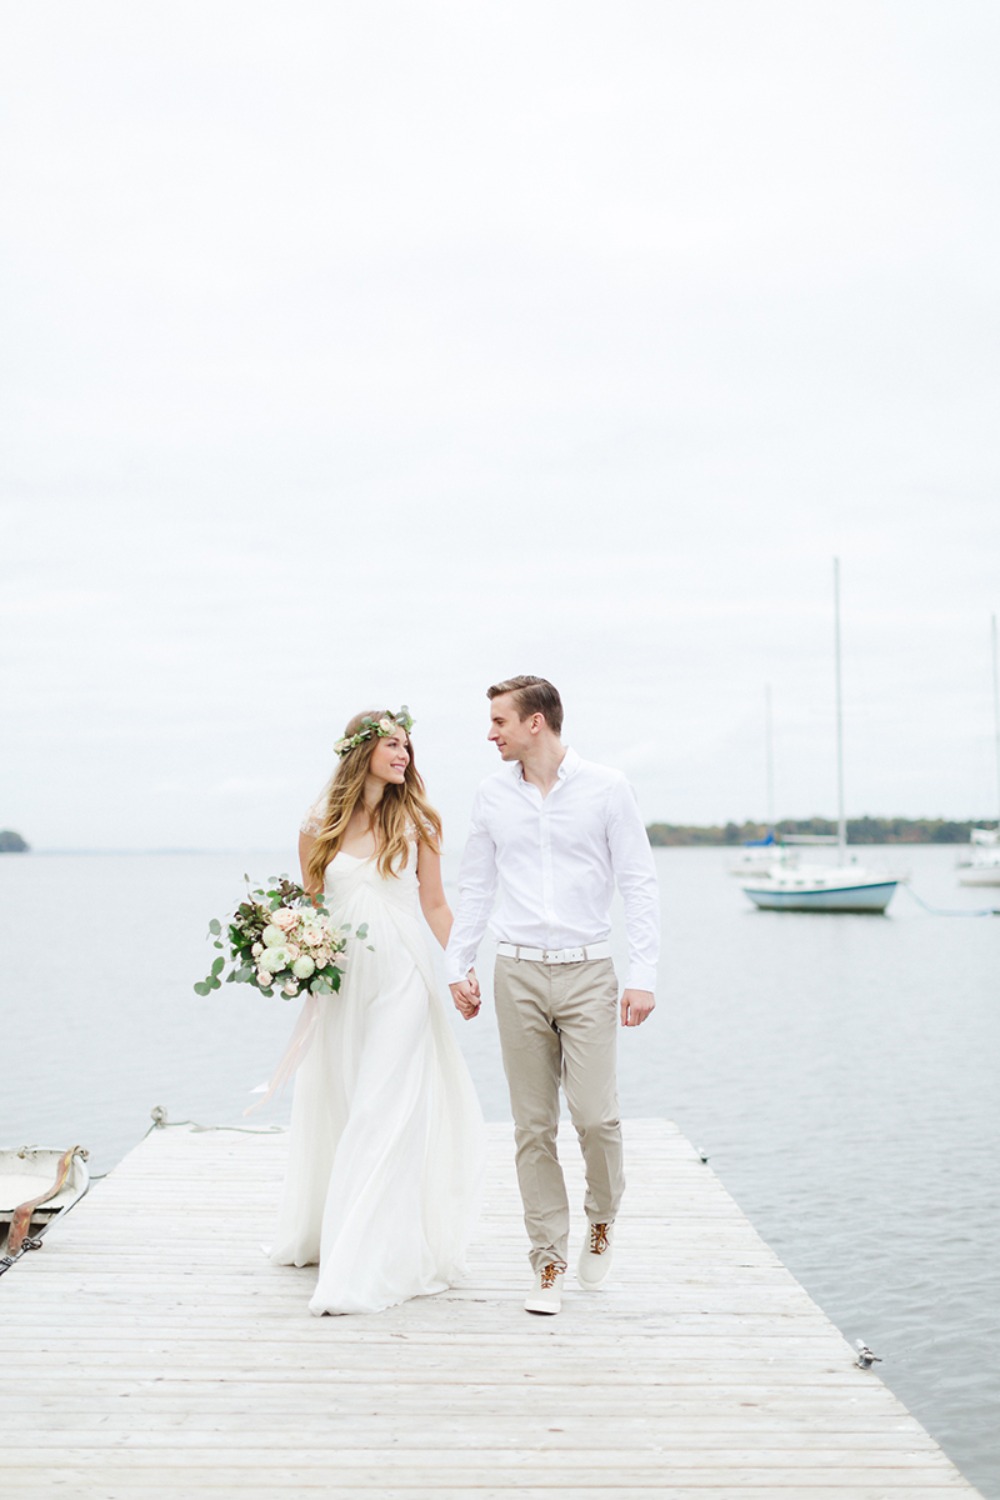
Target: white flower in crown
x=304 y=967
x=272 y=937
x=386 y=725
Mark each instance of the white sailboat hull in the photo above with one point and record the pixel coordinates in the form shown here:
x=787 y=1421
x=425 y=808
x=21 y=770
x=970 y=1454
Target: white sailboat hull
x=830 y=893
x=764 y=863
x=980 y=875
x=981 y=866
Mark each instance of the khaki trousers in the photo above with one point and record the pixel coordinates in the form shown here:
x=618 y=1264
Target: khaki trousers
x=559 y=1023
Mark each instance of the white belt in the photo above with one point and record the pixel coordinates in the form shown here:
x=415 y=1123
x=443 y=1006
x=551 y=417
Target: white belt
x=555 y=955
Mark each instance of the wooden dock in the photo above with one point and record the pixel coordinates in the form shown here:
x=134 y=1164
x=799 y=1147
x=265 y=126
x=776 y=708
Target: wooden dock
x=149 y=1350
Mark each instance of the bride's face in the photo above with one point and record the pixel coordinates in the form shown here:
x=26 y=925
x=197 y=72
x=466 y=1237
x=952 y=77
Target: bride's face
x=390 y=759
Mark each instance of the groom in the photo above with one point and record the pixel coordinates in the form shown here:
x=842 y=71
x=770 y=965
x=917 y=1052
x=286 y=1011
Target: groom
x=552 y=834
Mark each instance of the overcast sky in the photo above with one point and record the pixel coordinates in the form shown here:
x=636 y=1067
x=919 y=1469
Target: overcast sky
x=360 y=354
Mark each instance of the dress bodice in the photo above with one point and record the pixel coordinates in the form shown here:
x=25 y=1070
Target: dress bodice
x=350 y=877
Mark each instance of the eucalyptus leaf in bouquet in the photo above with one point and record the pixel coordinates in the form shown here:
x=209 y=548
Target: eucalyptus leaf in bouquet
x=280 y=940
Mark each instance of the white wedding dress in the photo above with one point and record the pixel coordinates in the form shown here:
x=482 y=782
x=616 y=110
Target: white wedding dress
x=387 y=1140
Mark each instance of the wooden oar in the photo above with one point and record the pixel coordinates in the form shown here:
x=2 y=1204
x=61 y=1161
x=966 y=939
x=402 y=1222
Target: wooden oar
x=21 y=1222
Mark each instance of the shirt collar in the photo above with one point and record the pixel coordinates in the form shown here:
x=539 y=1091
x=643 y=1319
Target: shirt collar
x=568 y=766
x=571 y=763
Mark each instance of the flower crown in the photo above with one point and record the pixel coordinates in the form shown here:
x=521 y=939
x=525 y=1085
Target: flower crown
x=382 y=728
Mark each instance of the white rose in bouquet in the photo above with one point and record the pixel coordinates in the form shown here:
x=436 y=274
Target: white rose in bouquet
x=284 y=918
x=274 y=959
x=290 y=988
x=304 y=967
x=257 y=950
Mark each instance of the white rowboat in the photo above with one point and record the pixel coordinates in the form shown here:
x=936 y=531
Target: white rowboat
x=37 y=1184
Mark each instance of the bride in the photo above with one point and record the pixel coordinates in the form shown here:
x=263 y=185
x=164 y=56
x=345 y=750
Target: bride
x=386 y=1144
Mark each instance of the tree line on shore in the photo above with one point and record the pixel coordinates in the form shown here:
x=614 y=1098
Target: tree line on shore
x=864 y=830
x=666 y=835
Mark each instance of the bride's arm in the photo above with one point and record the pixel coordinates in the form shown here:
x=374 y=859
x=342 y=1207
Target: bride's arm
x=432 y=898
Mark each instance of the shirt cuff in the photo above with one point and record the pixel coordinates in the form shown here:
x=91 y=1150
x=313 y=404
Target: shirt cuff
x=641 y=977
x=454 y=973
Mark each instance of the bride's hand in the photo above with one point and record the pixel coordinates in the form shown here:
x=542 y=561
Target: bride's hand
x=466 y=998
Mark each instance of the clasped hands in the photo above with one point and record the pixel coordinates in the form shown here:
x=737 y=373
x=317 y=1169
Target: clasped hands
x=635 y=1004
x=466 y=995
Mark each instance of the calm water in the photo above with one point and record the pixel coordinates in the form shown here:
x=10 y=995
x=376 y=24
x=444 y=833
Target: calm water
x=840 y=1072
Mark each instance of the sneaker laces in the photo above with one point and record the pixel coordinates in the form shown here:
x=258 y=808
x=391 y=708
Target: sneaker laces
x=549 y=1274
x=598 y=1238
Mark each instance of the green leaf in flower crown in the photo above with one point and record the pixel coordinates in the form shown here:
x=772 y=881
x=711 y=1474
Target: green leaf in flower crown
x=218 y=965
x=362 y=931
x=215 y=926
x=335 y=980
x=201 y=988
x=242 y=974
x=214 y=983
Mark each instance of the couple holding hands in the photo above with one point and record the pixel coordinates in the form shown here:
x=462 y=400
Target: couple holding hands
x=386 y=1145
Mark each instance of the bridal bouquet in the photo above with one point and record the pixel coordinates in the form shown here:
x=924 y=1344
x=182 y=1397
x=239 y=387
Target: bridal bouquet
x=279 y=939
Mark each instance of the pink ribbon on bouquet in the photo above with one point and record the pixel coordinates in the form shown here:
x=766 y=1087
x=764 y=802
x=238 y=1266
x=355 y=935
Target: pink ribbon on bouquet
x=301 y=1040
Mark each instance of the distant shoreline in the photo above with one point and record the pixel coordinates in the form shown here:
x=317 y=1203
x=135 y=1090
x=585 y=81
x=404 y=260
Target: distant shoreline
x=865 y=830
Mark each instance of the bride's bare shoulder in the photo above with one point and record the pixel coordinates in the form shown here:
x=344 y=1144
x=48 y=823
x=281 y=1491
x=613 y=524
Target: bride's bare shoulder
x=312 y=823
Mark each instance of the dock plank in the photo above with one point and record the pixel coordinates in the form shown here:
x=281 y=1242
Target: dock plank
x=157 y=1352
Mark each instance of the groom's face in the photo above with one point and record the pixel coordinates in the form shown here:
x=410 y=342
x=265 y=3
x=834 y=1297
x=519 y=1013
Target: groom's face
x=510 y=733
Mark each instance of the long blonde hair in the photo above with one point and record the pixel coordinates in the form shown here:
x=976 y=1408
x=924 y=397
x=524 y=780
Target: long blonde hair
x=402 y=811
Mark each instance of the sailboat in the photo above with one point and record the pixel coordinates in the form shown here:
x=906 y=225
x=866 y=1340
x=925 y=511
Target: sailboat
x=761 y=857
x=841 y=887
x=982 y=867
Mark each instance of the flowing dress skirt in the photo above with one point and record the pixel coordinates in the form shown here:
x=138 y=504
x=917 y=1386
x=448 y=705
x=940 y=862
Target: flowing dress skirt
x=386 y=1145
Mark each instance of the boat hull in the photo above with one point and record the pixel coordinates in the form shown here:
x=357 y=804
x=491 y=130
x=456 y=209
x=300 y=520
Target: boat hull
x=980 y=875
x=37 y=1184
x=873 y=898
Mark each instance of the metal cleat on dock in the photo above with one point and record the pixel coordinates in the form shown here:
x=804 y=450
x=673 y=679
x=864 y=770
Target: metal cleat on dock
x=866 y=1358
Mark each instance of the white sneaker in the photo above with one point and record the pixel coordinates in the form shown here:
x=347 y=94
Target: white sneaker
x=546 y=1294
x=596 y=1256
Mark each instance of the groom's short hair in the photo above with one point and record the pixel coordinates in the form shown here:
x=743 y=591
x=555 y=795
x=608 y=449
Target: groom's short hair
x=532 y=695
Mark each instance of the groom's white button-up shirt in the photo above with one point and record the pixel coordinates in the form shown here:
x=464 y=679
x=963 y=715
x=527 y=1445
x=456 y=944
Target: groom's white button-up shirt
x=553 y=862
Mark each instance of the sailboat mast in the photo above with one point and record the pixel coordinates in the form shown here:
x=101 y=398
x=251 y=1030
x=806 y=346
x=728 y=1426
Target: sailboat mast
x=841 y=818
x=996 y=713
x=769 y=758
